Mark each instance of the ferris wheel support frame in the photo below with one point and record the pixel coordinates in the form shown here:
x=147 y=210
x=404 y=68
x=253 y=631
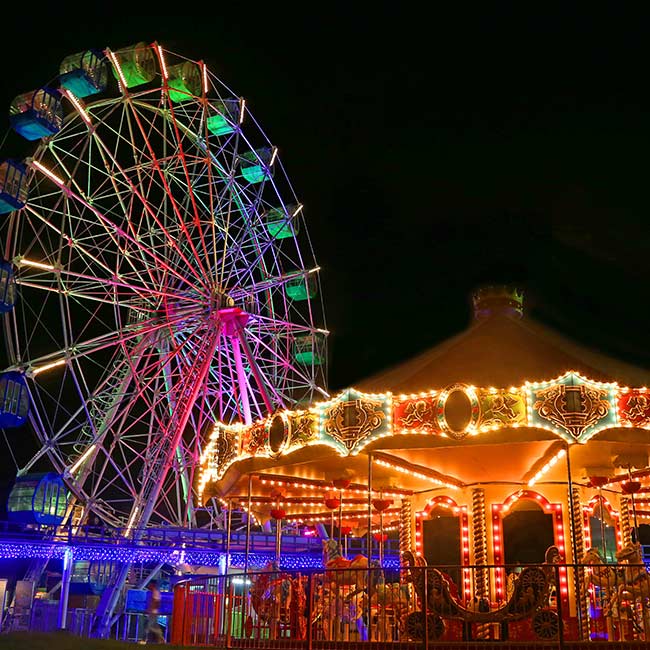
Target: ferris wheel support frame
x=157 y=469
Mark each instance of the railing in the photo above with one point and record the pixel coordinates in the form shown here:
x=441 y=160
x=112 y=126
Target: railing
x=172 y=537
x=550 y=606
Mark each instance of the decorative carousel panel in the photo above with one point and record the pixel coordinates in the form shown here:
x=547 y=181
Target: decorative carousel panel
x=416 y=415
x=572 y=406
x=353 y=419
x=634 y=408
x=501 y=408
x=222 y=450
x=304 y=429
x=255 y=439
x=458 y=411
x=278 y=426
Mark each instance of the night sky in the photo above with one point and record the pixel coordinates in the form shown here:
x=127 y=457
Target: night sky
x=432 y=154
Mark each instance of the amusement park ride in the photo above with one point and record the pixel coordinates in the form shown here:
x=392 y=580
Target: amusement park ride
x=166 y=340
x=157 y=277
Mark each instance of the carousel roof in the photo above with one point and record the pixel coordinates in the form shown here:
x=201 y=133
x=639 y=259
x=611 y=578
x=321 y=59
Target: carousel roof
x=502 y=402
x=502 y=347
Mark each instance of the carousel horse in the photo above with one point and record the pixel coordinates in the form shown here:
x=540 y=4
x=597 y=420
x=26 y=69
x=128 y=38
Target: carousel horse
x=636 y=577
x=389 y=606
x=347 y=586
x=343 y=571
x=620 y=586
x=271 y=594
x=337 y=611
x=633 y=593
x=600 y=574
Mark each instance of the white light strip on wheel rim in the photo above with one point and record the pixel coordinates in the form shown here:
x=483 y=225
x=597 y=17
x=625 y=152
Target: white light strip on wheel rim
x=48 y=173
x=78 y=105
x=131 y=520
x=204 y=74
x=81 y=459
x=273 y=156
x=163 y=65
x=116 y=65
x=23 y=261
x=242 y=108
x=48 y=366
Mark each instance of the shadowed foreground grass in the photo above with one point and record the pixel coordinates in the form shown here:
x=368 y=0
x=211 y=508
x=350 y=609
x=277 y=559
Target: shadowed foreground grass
x=64 y=641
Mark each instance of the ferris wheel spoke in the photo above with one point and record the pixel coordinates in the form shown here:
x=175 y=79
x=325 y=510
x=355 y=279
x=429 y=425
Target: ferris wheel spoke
x=149 y=210
x=61 y=274
x=161 y=454
x=233 y=242
x=89 y=347
x=125 y=444
x=277 y=356
x=126 y=454
x=153 y=158
x=91 y=288
x=270 y=283
x=189 y=180
x=212 y=199
x=99 y=194
x=115 y=232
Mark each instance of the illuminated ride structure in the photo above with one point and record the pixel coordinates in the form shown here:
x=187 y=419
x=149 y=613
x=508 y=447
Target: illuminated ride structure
x=157 y=277
x=513 y=464
x=167 y=349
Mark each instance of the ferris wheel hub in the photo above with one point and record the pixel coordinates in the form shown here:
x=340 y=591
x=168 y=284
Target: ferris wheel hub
x=233 y=319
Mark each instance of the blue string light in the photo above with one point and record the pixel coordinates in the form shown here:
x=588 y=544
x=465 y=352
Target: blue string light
x=137 y=554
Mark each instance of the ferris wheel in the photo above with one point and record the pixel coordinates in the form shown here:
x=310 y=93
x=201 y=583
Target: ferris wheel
x=162 y=279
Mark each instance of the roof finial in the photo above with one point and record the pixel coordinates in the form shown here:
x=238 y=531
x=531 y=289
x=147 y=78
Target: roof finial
x=489 y=300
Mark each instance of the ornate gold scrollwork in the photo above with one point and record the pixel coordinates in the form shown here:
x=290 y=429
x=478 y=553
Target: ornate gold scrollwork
x=351 y=421
x=574 y=408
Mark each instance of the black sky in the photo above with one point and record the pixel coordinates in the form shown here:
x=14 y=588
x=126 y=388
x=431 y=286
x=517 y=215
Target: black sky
x=432 y=153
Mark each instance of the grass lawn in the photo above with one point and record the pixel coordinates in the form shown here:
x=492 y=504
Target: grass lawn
x=63 y=641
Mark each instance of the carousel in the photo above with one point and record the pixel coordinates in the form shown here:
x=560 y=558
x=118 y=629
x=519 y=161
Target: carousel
x=508 y=464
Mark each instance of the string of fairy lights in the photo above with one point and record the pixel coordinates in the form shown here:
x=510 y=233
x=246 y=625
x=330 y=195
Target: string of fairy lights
x=425 y=413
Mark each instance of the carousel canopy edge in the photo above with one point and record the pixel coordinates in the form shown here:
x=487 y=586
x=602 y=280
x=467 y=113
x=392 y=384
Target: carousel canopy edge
x=571 y=406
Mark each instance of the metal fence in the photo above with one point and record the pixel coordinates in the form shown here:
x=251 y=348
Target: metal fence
x=547 y=605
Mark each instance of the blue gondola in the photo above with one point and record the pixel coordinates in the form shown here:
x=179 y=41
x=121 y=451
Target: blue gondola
x=38 y=499
x=84 y=73
x=37 y=113
x=13 y=186
x=14 y=400
x=7 y=287
x=256 y=165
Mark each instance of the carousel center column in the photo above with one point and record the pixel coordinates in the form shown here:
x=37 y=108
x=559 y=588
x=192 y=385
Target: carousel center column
x=405 y=528
x=579 y=576
x=481 y=576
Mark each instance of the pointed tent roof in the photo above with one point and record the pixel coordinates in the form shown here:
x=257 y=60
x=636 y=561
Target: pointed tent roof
x=502 y=347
